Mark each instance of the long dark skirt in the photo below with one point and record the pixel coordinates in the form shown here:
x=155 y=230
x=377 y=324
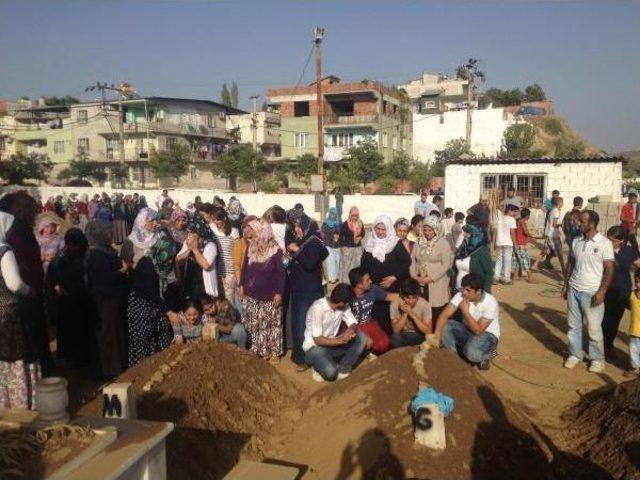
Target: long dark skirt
x=149 y=329
x=110 y=330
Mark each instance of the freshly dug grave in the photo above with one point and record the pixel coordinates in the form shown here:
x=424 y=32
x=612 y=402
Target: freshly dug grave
x=605 y=430
x=224 y=401
x=360 y=427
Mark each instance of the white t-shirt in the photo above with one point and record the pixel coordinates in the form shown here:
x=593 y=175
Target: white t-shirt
x=487 y=308
x=589 y=257
x=324 y=322
x=464 y=267
x=554 y=218
x=425 y=208
x=506 y=223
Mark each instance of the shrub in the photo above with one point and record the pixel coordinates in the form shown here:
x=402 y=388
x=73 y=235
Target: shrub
x=552 y=126
x=269 y=185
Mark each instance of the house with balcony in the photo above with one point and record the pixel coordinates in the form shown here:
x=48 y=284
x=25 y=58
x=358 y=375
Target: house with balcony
x=152 y=124
x=435 y=93
x=265 y=125
x=352 y=111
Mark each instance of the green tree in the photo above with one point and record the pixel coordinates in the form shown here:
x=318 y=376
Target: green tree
x=420 y=175
x=518 y=141
x=83 y=170
x=400 y=166
x=233 y=93
x=502 y=98
x=452 y=150
x=243 y=162
x=66 y=100
x=25 y=167
x=342 y=176
x=569 y=149
x=366 y=162
x=171 y=163
x=225 y=95
x=534 y=93
x=306 y=165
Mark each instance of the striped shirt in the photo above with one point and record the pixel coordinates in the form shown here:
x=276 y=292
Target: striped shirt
x=225 y=249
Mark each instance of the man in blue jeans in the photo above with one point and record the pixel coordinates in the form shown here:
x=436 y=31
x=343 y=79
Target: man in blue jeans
x=475 y=338
x=588 y=277
x=332 y=354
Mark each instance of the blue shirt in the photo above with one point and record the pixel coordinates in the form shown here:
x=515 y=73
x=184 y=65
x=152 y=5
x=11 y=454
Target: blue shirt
x=361 y=307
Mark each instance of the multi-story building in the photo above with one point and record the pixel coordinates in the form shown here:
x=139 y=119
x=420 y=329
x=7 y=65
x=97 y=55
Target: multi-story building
x=437 y=93
x=352 y=111
x=265 y=126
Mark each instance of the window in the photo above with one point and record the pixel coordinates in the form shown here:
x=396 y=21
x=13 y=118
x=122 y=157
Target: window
x=300 y=109
x=430 y=104
x=404 y=144
x=82 y=116
x=171 y=141
x=394 y=142
x=210 y=121
x=530 y=187
x=385 y=140
x=342 y=140
x=193 y=173
x=301 y=140
x=58 y=146
x=83 y=145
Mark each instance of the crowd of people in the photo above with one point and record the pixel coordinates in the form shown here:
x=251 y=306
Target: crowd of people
x=120 y=280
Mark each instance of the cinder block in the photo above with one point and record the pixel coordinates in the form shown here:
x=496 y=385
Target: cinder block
x=429 y=427
x=118 y=401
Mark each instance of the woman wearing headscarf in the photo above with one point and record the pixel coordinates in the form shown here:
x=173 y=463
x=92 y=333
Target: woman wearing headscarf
x=331 y=237
x=236 y=213
x=238 y=253
x=107 y=289
x=473 y=256
x=166 y=209
x=402 y=228
x=277 y=217
x=22 y=240
x=50 y=205
x=69 y=302
x=387 y=261
x=198 y=259
x=119 y=219
x=306 y=252
x=19 y=367
x=178 y=226
x=49 y=240
x=144 y=234
x=431 y=265
x=93 y=206
x=351 y=235
x=262 y=283
x=82 y=207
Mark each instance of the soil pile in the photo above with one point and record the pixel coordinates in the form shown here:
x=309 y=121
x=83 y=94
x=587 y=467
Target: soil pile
x=224 y=401
x=605 y=430
x=361 y=427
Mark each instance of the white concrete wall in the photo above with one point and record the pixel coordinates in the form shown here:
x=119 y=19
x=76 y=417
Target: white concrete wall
x=463 y=182
x=370 y=206
x=430 y=135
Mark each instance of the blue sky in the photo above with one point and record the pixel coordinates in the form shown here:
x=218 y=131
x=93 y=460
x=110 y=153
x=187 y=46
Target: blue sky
x=585 y=54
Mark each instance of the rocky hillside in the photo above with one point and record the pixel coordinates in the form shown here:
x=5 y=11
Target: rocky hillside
x=556 y=138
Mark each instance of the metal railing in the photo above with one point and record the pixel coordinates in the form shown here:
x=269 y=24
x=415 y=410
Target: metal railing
x=347 y=119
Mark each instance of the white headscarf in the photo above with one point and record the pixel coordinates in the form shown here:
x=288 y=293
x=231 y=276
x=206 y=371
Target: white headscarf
x=6 y=220
x=140 y=236
x=379 y=247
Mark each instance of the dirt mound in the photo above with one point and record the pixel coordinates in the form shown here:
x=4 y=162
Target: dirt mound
x=605 y=429
x=361 y=427
x=224 y=401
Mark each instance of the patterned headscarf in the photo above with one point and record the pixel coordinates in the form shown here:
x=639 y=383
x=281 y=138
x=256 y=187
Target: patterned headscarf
x=356 y=226
x=472 y=243
x=199 y=226
x=235 y=210
x=424 y=247
x=309 y=227
x=332 y=221
x=379 y=247
x=263 y=245
x=163 y=254
x=178 y=235
x=140 y=236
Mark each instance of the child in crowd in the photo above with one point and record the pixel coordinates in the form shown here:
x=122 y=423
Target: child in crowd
x=190 y=323
x=49 y=241
x=219 y=310
x=634 y=330
x=505 y=243
x=522 y=239
x=447 y=223
x=456 y=230
x=411 y=317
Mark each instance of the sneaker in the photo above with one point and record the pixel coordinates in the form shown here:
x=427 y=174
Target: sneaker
x=596 y=367
x=494 y=352
x=484 y=365
x=316 y=376
x=343 y=375
x=571 y=362
x=632 y=373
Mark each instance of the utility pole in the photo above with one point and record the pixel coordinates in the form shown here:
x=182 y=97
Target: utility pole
x=469 y=107
x=254 y=132
x=319 y=33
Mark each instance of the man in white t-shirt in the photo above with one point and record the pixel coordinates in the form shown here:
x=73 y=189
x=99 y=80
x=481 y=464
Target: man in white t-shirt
x=161 y=198
x=423 y=206
x=505 y=241
x=553 y=232
x=475 y=338
x=588 y=277
x=332 y=354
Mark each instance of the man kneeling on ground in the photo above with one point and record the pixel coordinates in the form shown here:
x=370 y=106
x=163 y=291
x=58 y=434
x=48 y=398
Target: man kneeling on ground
x=332 y=355
x=475 y=338
x=411 y=317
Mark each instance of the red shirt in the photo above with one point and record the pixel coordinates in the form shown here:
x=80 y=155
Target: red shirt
x=521 y=236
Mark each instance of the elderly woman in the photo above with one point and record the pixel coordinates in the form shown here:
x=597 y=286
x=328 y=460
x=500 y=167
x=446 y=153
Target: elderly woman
x=178 y=226
x=198 y=258
x=402 y=228
x=107 y=289
x=431 y=264
x=351 y=235
x=236 y=213
x=19 y=367
x=306 y=252
x=261 y=289
x=473 y=256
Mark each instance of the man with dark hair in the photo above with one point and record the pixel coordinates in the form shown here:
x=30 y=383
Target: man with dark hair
x=478 y=215
x=438 y=201
x=423 y=206
x=571 y=222
x=548 y=203
x=475 y=338
x=365 y=294
x=588 y=277
x=511 y=199
x=332 y=355
x=416 y=228
x=411 y=316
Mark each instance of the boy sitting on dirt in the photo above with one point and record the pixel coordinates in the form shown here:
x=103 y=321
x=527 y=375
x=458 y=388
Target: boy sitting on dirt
x=475 y=338
x=220 y=311
x=332 y=355
x=410 y=317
